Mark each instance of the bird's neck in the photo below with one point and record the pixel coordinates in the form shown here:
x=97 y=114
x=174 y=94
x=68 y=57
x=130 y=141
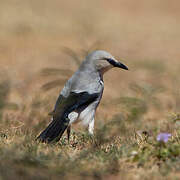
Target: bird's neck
x=101 y=75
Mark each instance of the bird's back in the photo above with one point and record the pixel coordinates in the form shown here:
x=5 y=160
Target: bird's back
x=83 y=81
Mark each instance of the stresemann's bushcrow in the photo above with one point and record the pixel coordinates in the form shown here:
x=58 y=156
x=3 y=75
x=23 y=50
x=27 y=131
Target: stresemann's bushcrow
x=80 y=96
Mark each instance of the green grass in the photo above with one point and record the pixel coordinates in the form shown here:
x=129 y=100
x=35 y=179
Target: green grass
x=105 y=155
x=118 y=148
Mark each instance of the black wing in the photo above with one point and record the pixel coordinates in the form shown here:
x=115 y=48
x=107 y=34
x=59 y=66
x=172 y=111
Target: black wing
x=63 y=107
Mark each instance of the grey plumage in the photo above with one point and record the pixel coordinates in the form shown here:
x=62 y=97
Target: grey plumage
x=80 y=96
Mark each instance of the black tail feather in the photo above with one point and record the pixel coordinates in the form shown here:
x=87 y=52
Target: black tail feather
x=63 y=107
x=54 y=131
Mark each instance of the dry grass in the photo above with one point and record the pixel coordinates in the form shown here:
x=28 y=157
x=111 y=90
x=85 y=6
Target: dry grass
x=42 y=44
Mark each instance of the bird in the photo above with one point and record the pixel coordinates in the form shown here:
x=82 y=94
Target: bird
x=80 y=97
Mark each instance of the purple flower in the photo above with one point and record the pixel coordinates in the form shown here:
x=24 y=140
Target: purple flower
x=163 y=137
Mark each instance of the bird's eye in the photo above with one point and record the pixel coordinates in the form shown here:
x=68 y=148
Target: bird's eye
x=107 y=59
x=110 y=60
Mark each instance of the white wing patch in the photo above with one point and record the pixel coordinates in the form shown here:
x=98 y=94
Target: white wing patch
x=73 y=116
x=85 y=117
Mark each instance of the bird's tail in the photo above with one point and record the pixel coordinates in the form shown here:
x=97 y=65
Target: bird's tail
x=54 y=131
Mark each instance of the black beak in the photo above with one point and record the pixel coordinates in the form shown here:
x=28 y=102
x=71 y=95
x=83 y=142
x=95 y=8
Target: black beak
x=117 y=64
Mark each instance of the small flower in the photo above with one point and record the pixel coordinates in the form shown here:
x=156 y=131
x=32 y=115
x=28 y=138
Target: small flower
x=163 y=137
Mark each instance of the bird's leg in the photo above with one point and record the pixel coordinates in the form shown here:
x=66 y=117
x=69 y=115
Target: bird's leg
x=91 y=127
x=68 y=132
x=91 y=130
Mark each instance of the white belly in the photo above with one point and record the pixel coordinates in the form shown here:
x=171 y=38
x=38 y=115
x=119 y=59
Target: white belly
x=86 y=116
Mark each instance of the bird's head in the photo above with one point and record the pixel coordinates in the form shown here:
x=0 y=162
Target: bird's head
x=103 y=61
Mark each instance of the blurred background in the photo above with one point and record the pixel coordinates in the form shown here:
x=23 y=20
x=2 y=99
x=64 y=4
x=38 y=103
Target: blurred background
x=36 y=35
x=43 y=42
